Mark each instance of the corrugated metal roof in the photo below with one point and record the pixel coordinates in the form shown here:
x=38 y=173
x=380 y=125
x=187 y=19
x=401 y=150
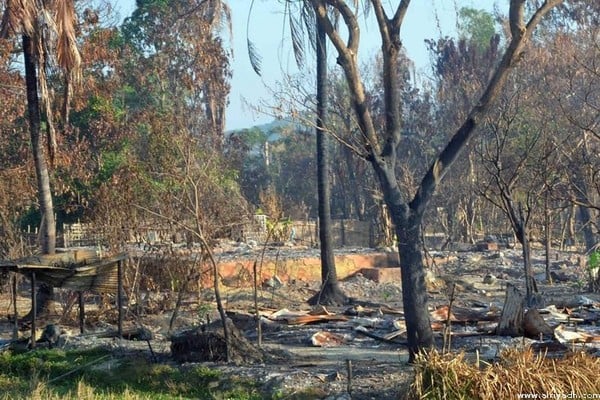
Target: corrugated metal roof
x=70 y=270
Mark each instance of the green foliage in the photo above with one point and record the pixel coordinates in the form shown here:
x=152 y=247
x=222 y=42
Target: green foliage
x=251 y=138
x=111 y=161
x=30 y=218
x=478 y=26
x=98 y=108
x=116 y=41
x=594 y=259
x=279 y=229
x=287 y=166
x=50 y=374
x=44 y=362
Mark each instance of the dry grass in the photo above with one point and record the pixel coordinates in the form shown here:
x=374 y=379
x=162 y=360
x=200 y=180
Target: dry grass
x=450 y=376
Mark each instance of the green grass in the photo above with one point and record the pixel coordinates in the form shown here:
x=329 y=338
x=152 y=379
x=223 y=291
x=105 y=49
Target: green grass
x=98 y=374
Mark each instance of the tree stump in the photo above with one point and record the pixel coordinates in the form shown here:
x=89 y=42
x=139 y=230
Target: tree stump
x=511 y=320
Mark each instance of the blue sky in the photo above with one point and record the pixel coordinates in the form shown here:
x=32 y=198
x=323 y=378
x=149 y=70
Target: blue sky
x=271 y=38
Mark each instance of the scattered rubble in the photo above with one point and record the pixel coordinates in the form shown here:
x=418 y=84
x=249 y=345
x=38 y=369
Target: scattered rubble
x=313 y=345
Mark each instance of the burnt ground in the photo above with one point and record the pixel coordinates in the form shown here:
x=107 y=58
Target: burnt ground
x=294 y=366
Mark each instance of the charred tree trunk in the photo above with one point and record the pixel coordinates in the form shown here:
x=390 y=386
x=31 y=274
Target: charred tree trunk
x=585 y=218
x=470 y=206
x=572 y=237
x=330 y=293
x=582 y=196
x=407 y=219
x=353 y=183
x=532 y=298
x=414 y=290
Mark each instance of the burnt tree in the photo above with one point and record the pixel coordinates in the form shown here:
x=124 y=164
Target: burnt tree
x=381 y=142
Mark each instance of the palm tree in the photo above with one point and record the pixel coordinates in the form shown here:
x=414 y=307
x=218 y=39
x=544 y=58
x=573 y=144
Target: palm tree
x=302 y=21
x=330 y=293
x=44 y=27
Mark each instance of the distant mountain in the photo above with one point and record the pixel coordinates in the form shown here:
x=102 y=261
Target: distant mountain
x=276 y=125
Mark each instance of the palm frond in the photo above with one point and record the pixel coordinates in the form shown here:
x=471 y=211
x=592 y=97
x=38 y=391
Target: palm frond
x=255 y=57
x=297 y=33
x=67 y=53
x=310 y=23
x=253 y=54
x=218 y=14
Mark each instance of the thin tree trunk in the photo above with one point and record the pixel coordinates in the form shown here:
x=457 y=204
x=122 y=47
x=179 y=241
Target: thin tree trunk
x=353 y=183
x=520 y=227
x=572 y=237
x=330 y=292
x=48 y=224
x=471 y=200
x=531 y=295
x=585 y=218
x=548 y=229
x=583 y=198
x=217 y=290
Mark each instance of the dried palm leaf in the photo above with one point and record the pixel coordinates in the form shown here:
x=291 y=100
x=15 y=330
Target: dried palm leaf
x=19 y=16
x=46 y=98
x=67 y=53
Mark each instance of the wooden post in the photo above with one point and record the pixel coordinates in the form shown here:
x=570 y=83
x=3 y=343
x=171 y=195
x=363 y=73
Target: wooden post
x=349 y=380
x=15 y=310
x=81 y=312
x=33 y=309
x=120 y=295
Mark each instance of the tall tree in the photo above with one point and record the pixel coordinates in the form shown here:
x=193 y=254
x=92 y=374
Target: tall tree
x=302 y=21
x=382 y=144
x=178 y=43
x=330 y=293
x=47 y=31
x=48 y=224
